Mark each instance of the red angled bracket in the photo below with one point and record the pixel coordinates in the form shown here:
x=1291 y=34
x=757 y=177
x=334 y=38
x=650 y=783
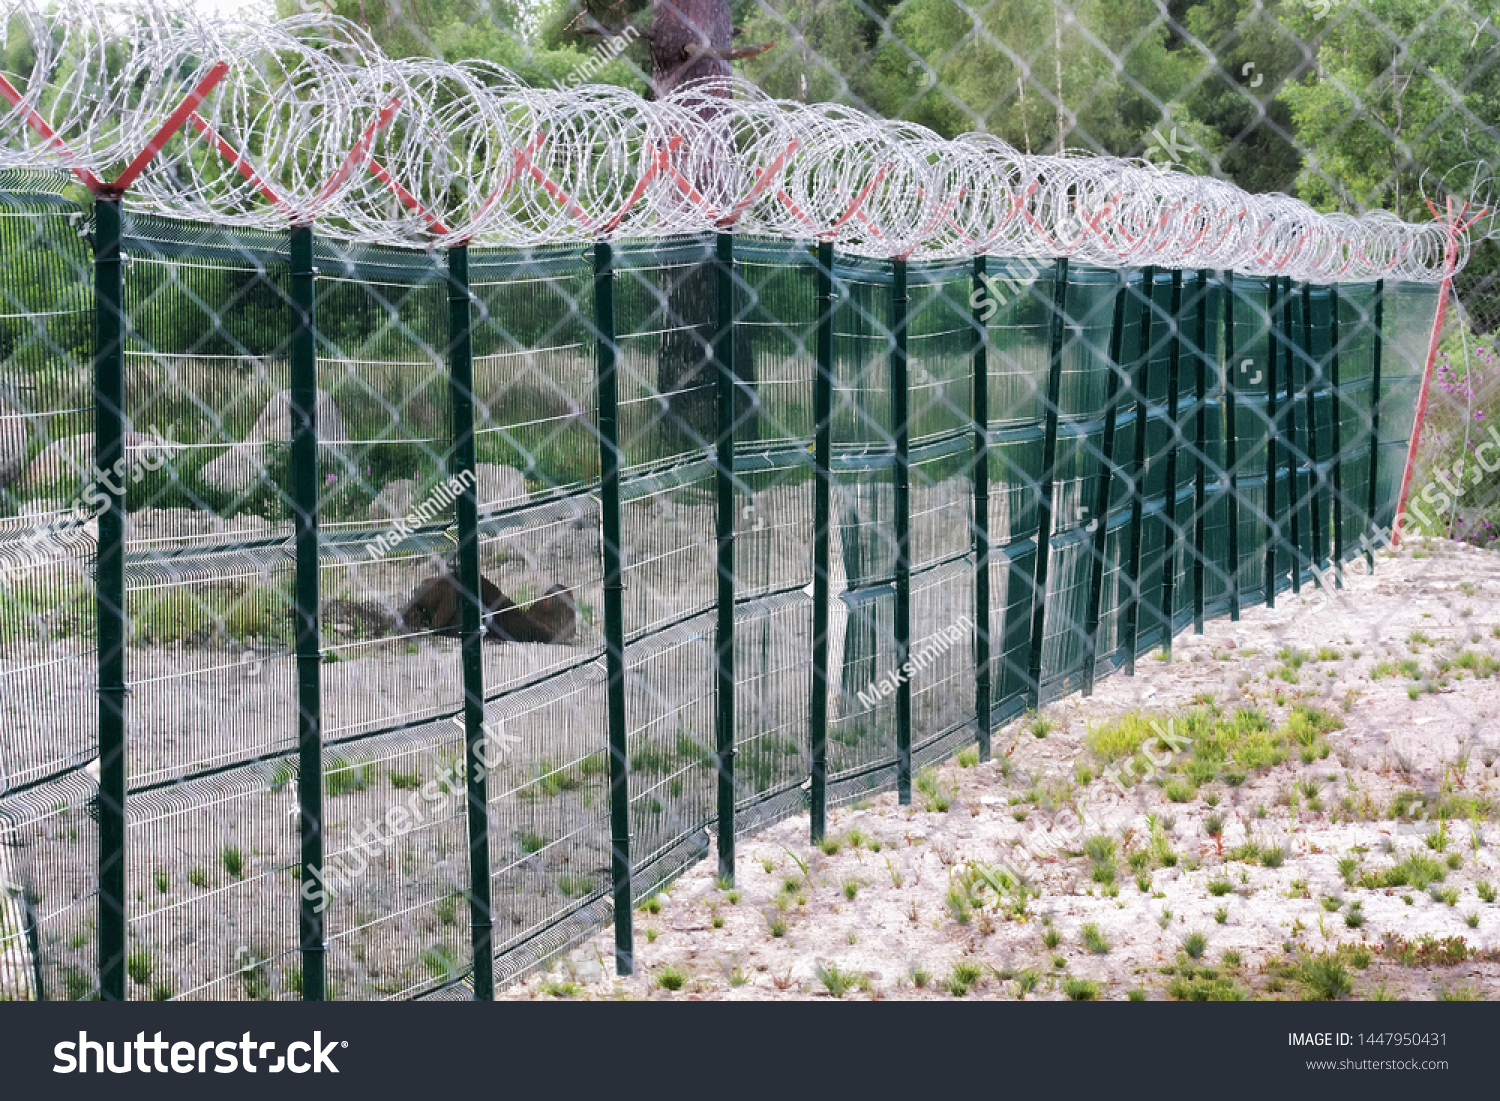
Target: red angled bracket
x=188 y=107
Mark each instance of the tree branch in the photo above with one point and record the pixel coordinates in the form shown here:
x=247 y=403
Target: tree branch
x=695 y=50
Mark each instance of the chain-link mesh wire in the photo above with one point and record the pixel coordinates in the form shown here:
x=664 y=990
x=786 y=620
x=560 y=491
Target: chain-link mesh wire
x=1193 y=397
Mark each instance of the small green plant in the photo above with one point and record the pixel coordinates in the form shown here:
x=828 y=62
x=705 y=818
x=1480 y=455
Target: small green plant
x=405 y=781
x=1221 y=915
x=830 y=846
x=1081 y=990
x=1354 y=917
x=1220 y=887
x=1444 y=894
x=1040 y=727
x=446 y=909
x=1026 y=982
x=198 y=877
x=1348 y=865
x=1486 y=890
x=564 y=988
x=1051 y=937
x=1179 y=791
x=739 y=977
x=851 y=888
x=768 y=864
x=139 y=966
x=934 y=798
x=968 y=757
x=671 y=977
x=962 y=978
x=652 y=905
x=1194 y=944
x=1324 y=978
x=159 y=877
x=651 y=935
x=732 y=897
x=920 y=977
x=1231 y=958
x=1472 y=920
x=1273 y=858
x=1136 y=995
x=532 y=843
x=1094 y=940
x=1460 y=994
x=777 y=924
x=234 y=861
x=837 y=982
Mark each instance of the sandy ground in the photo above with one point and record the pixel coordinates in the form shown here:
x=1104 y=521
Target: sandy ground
x=876 y=911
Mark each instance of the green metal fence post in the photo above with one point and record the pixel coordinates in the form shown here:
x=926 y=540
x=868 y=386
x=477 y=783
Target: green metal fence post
x=817 y=718
x=614 y=612
x=1169 y=535
x=1370 y=528
x=724 y=534
x=899 y=413
x=1273 y=438
x=1049 y=474
x=1102 y=497
x=1231 y=448
x=980 y=415
x=1337 y=436
x=109 y=588
x=466 y=507
x=305 y=486
x=1137 y=465
x=1200 y=444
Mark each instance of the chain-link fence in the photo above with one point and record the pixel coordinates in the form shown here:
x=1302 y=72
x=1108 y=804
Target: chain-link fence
x=380 y=620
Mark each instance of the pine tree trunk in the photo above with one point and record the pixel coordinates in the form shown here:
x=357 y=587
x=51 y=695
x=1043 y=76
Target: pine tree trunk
x=689 y=39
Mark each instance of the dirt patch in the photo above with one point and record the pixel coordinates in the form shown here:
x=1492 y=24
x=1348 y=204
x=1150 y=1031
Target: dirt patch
x=1382 y=702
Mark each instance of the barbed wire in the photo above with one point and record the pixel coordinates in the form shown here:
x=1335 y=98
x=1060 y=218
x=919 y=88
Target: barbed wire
x=306 y=120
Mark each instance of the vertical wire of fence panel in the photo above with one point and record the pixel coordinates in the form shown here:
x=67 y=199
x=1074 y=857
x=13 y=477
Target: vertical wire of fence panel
x=1171 y=531
x=1231 y=447
x=724 y=400
x=1130 y=634
x=1200 y=444
x=979 y=413
x=109 y=589
x=823 y=479
x=614 y=611
x=902 y=497
x=304 y=453
x=466 y=509
x=1099 y=546
x=1057 y=329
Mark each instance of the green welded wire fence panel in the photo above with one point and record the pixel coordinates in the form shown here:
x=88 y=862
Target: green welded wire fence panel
x=861 y=623
x=1251 y=369
x=1018 y=329
x=1356 y=351
x=49 y=844
x=1409 y=310
x=940 y=343
x=776 y=314
x=537 y=492
x=1116 y=521
x=1081 y=397
x=666 y=312
x=1213 y=545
